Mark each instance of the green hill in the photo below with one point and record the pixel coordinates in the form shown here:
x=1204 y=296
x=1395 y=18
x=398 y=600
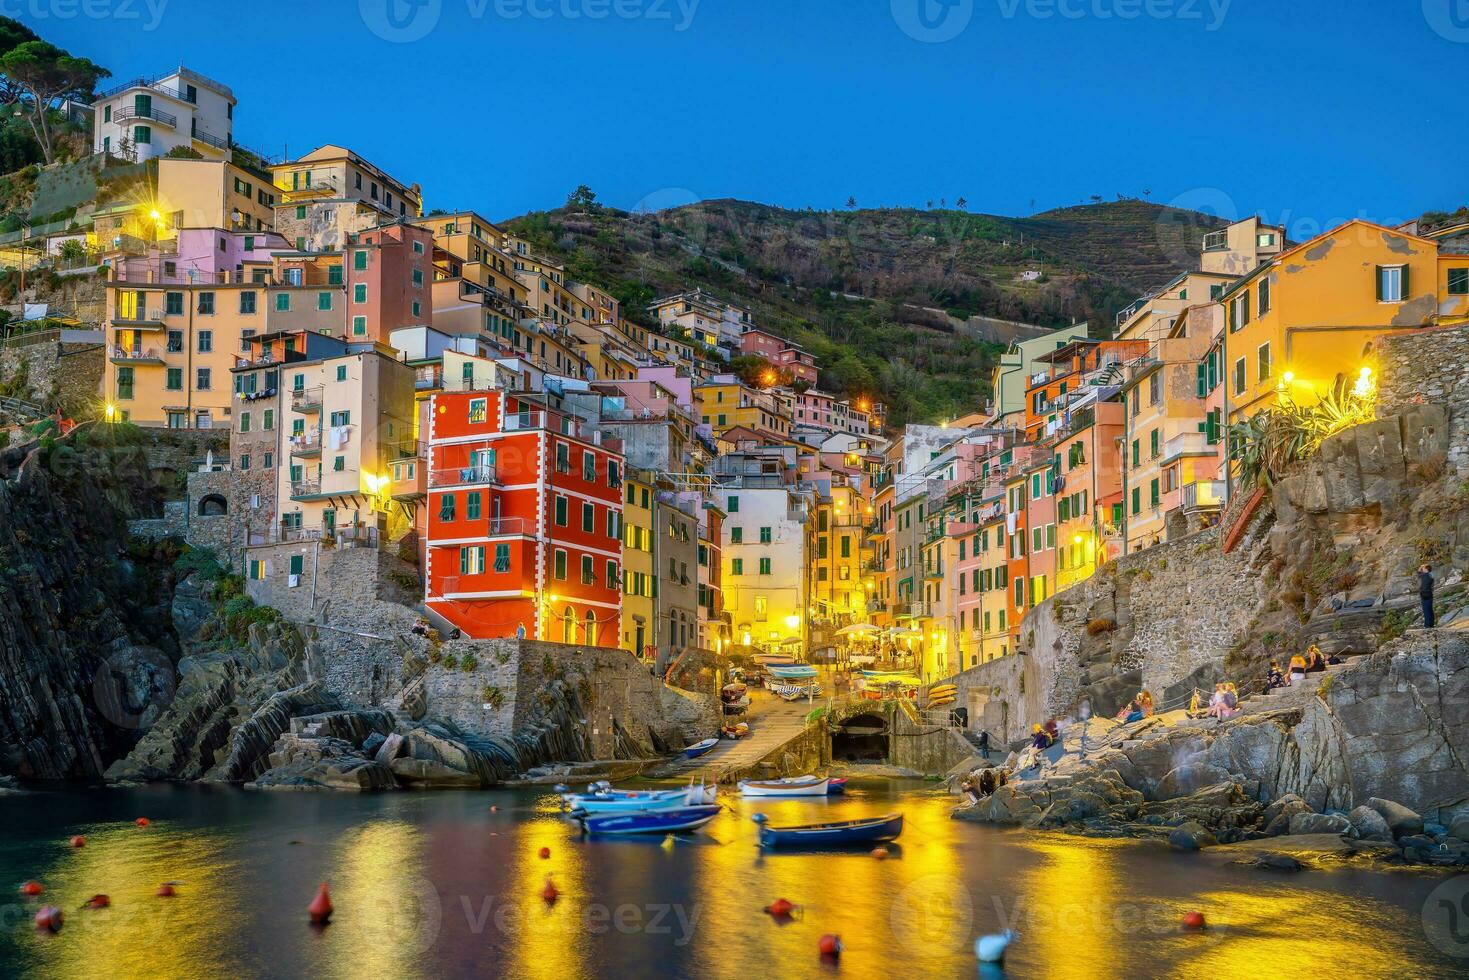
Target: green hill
x=864 y=289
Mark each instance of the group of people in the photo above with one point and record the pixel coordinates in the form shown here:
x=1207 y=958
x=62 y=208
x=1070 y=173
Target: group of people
x=988 y=780
x=1138 y=708
x=1311 y=662
x=1044 y=736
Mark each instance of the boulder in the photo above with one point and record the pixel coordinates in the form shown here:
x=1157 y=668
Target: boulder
x=1190 y=836
x=1188 y=779
x=340 y=773
x=392 y=746
x=1319 y=823
x=372 y=743
x=1287 y=806
x=1400 y=820
x=1460 y=827
x=1368 y=824
x=1275 y=862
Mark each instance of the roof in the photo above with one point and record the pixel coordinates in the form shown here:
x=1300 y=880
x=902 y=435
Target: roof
x=1250 y=277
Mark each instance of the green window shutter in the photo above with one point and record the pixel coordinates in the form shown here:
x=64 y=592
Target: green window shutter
x=1199 y=379
x=1406 y=293
x=1244 y=302
x=1377 y=281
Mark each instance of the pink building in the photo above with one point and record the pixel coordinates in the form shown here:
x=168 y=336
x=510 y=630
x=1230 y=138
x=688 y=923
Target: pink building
x=761 y=343
x=389 y=275
x=800 y=364
x=1040 y=523
x=201 y=255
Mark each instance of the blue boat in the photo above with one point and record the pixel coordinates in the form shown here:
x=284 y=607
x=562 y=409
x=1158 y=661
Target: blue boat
x=699 y=748
x=870 y=830
x=658 y=822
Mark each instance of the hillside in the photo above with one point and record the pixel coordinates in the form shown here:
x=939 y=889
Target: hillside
x=860 y=288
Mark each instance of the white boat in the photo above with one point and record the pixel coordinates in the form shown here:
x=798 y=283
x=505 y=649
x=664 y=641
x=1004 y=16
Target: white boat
x=790 y=786
x=604 y=799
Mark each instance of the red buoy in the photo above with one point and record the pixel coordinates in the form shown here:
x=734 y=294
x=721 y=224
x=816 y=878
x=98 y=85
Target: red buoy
x=78 y=841
x=494 y=808
x=142 y=821
x=98 y=902
x=166 y=890
x=49 y=918
x=549 y=892
x=545 y=853
x=320 y=908
x=31 y=889
x=780 y=908
x=829 y=945
x=880 y=853
x=1193 y=920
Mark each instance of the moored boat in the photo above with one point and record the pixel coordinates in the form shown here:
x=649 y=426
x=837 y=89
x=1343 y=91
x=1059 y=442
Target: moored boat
x=836 y=786
x=652 y=822
x=699 y=748
x=869 y=830
x=790 y=786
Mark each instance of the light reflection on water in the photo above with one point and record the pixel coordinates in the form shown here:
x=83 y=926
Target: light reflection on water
x=438 y=885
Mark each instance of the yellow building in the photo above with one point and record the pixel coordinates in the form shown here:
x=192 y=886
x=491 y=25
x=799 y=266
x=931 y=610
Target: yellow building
x=724 y=403
x=331 y=193
x=215 y=194
x=838 y=596
x=1308 y=317
x=639 y=577
x=994 y=585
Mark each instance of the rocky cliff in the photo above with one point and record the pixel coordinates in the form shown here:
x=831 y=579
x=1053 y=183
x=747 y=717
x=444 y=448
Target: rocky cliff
x=86 y=633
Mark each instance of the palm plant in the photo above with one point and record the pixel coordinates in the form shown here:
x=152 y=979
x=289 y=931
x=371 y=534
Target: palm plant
x=1268 y=443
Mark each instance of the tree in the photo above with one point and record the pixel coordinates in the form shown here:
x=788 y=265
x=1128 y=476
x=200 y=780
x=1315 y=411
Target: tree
x=12 y=35
x=582 y=199
x=1096 y=199
x=930 y=204
x=962 y=203
x=851 y=202
x=47 y=74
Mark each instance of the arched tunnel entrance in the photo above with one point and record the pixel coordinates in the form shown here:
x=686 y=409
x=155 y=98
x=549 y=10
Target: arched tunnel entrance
x=861 y=738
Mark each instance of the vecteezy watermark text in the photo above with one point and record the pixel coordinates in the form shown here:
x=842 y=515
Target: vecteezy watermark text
x=936 y=21
x=150 y=12
x=405 y=21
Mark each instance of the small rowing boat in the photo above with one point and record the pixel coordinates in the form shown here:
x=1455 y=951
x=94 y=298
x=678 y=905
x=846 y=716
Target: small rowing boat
x=836 y=786
x=656 y=822
x=870 y=830
x=790 y=786
x=699 y=748
x=793 y=672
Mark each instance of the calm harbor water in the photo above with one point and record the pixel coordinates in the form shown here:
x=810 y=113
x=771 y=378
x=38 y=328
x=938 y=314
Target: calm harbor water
x=436 y=884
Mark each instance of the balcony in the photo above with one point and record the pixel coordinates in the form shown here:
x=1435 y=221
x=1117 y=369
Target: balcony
x=1216 y=241
x=344 y=537
x=1187 y=443
x=306 y=400
x=505 y=527
x=1203 y=496
x=199 y=136
x=135 y=355
x=140 y=320
x=307 y=444
x=463 y=476
x=305 y=488
x=136 y=112
x=324 y=186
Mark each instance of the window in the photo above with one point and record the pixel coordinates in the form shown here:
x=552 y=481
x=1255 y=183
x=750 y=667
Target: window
x=283 y=302
x=472 y=560
x=478 y=410
x=589 y=467
x=339 y=464
x=472 y=505
x=142 y=134
x=765 y=536
x=1265 y=239
x=1239 y=376
x=563 y=458
x=342 y=375
x=588 y=571
x=173 y=303
x=323 y=301
x=175 y=379
x=560 y=564
x=737 y=566
x=1239 y=311
x=1153 y=441
x=206 y=304
x=247 y=301
x=300 y=208
x=1019 y=592
x=244 y=421
x=588 y=517
x=203 y=380
x=560 y=511
x=614 y=474
x=1155 y=388
x=1153 y=498
x=734 y=506
x=736 y=535
x=1262 y=362
x=359 y=258
x=446 y=507
x=268 y=424
x=764 y=566
x=1392 y=283
x=612 y=578
x=1263 y=306
x=1136 y=453
x=359 y=326
x=1459 y=282
x=502 y=558
x=340 y=418
x=359 y=292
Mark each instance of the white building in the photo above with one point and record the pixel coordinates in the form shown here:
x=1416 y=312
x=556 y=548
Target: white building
x=764 y=546
x=147 y=117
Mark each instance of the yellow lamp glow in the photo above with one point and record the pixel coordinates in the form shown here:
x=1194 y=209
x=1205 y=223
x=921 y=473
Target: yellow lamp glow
x=1076 y=539
x=1289 y=377
x=793 y=621
x=111 y=412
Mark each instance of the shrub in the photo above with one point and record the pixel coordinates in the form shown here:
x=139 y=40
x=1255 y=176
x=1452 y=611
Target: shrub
x=1099 y=626
x=493 y=696
x=201 y=561
x=468 y=663
x=450 y=662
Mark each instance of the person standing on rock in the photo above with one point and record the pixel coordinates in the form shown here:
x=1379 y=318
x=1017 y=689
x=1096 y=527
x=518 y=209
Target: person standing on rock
x=984 y=745
x=1425 y=593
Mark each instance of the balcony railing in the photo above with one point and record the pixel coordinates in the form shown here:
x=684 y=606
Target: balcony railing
x=1216 y=241
x=144 y=112
x=306 y=399
x=461 y=476
x=305 y=488
x=1203 y=495
x=136 y=355
x=1186 y=442
x=343 y=537
x=210 y=140
x=306 y=444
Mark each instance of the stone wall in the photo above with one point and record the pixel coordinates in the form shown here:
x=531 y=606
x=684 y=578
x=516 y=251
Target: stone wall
x=65 y=375
x=1428 y=366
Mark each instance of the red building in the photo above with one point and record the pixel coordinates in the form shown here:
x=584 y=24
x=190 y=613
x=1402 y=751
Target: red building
x=524 y=521
x=389 y=278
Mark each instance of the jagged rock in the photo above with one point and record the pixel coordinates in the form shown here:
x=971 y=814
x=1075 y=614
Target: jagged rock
x=372 y=743
x=1190 y=836
x=1188 y=779
x=251 y=742
x=1287 y=806
x=392 y=746
x=1006 y=805
x=354 y=726
x=439 y=756
x=1319 y=823
x=1400 y=820
x=340 y=773
x=1368 y=824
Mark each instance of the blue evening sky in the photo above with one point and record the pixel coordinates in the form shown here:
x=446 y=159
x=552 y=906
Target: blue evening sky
x=1306 y=111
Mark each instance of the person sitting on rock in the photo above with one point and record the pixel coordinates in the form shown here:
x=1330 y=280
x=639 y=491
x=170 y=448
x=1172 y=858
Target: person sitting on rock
x=1038 y=738
x=1274 y=678
x=1222 y=705
x=1297 y=668
x=1134 y=713
x=1315 y=659
x=986 y=782
x=1145 y=703
x=1195 y=705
